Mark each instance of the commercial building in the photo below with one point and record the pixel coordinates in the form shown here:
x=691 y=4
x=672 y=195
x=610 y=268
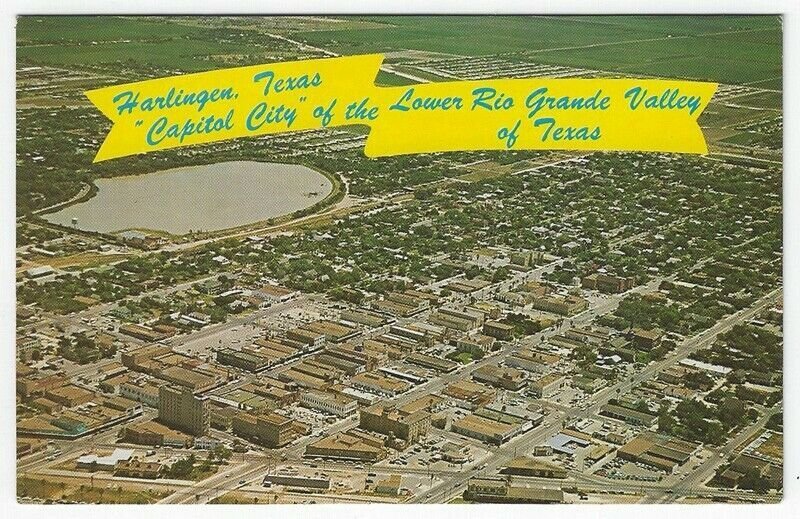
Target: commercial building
x=377 y=383
x=294 y=480
x=561 y=305
x=486 y=429
x=135 y=468
x=37 y=383
x=106 y=462
x=607 y=283
x=547 y=386
x=628 y=415
x=142 y=332
x=389 y=486
x=525 y=466
x=533 y=361
x=646 y=339
x=155 y=434
x=329 y=402
x=429 y=361
x=660 y=451
x=457 y=319
x=505 y=378
x=269 y=429
x=310 y=338
x=569 y=442
x=332 y=331
x=498 y=330
x=350 y=445
x=470 y=394
x=274 y=293
x=144 y=392
x=70 y=395
x=179 y=408
x=243 y=359
x=387 y=420
x=405 y=304
x=501 y=490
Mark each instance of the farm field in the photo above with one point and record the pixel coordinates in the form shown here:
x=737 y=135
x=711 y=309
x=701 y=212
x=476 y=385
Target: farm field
x=658 y=45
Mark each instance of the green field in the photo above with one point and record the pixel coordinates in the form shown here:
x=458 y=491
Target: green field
x=182 y=55
x=87 y=29
x=702 y=47
x=116 y=43
x=728 y=49
x=717 y=57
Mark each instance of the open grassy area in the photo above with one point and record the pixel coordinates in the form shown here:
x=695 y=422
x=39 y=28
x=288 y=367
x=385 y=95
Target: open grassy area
x=773 y=447
x=235 y=498
x=88 y=29
x=698 y=47
x=43 y=488
x=113 y=42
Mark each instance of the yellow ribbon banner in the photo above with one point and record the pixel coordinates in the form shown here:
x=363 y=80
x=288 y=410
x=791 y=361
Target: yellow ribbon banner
x=496 y=114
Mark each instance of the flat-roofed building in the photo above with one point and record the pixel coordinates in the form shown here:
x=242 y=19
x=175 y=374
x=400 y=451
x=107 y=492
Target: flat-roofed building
x=657 y=450
x=646 y=339
x=533 y=361
x=416 y=303
x=70 y=395
x=561 y=305
x=40 y=272
x=351 y=365
x=243 y=359
x=106 y=462
x=498 y=330
x=192 y=379
x=364 y=317
x=470 y=394
x=310 y=338
x=334 y=332
x=429 y=361
x=349 y=445
x=476 y=344
x=525 y=466
x=589 y=335
x=395 y=309
x=389 y=486
x=142 y=332
x=297 y=481
x=501 y=490
x=505 y=378
x=270 y=429
x=140 y=359
x=486 y=429
x=607 y=283
x=181 y=409
x=329 y=402
x=274 y=293
x=303 y=380
x=628 y=415
x=37 y=383
x=388 y=420
x=156 y=434
x=547 y=386
x=136 y=468
x=377 y=383
x=323 y=372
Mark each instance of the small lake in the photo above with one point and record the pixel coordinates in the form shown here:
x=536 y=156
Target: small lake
x=197 y=198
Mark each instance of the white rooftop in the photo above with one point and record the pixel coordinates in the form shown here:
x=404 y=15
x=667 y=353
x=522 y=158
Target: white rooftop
x=111 y=459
